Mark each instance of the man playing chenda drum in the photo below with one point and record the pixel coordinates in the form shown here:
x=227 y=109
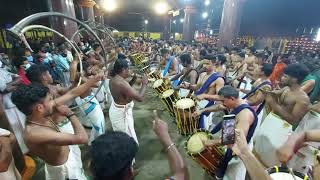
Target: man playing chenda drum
x=287 y=108
x=207 y=86
x=246 y=118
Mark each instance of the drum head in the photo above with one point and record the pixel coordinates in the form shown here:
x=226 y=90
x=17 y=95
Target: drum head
x=185 y=103
x=195 y=142
x=157 y=83
x=167 y=93
x=282 y=173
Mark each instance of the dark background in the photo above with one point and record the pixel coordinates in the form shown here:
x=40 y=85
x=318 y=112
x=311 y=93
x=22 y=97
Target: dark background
x=260 y=17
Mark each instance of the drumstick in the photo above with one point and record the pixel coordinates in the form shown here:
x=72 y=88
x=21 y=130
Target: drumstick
x=292 y=174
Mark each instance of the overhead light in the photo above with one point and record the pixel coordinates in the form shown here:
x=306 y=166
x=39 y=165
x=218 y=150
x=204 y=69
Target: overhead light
x=181 y=20
x=318 y=35
x=146 y=21
x=161 y=7
x=109 y=5
x=211 y=32
x=207 y=2
x=204 y=15
x=174 y=22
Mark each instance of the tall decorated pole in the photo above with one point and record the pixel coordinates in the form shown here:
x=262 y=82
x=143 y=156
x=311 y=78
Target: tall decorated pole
x=86 y=9
x=189 y=23
x=230 y=21
x=64 y=26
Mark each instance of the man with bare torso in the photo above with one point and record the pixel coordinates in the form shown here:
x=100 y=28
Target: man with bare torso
x=123 y=94
x=207 y=88
x=287 y=108
x=42 y=135
x=170 y=63
x=255 y=97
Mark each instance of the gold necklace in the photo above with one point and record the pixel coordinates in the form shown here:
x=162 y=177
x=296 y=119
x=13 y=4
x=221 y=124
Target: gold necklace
x=56 y=128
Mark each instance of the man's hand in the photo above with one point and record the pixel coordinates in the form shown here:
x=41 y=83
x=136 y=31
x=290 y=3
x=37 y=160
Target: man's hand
x=240 y=146
x=64 y=110
x=145 y=79
x=270 y=99
x=213 y=142
x=202 y=96
x=161 y=129
x=183 y=85
x=197 y=113
x=95 y=79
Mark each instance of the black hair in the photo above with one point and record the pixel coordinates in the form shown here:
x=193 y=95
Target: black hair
x=95 y=46
x=298 y=71
x=122 y=56
x=242 y=55
x=119 y=66
x=235 y=49
x=112 y=155
x=228 y=92
x=203 y=52
x=25 y=97
x=18 y=61
x=267 y=69
x=252 y=49
x=185 y=58
x=222 y=59
x=164 y=51
x=211 y=57
x=35 y=72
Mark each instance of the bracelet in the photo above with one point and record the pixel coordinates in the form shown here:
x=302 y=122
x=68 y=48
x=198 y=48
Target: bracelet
x=70 y=115
x=170 y=146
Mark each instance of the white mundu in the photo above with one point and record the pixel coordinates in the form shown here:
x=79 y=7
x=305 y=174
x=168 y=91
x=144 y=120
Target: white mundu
x=12 y=172
x=121 y=118
x=92 y=114
x=272 y=134
x=72 y=168
x=306 y=155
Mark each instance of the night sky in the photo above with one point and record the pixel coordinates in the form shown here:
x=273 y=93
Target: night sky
x=260 y=17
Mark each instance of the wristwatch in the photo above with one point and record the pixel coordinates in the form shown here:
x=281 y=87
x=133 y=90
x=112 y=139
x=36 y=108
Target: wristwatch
x=70 y=115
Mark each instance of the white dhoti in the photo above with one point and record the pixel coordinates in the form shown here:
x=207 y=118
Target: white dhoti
x=101 y=96
x=121 y=118
x=183 y=92
x=245 y=85
x=12 y=173
x=71 y=169
x=109 y=97
x=236 y=170
x=208 y=120
x=17 y=121
x=272 y=134
x=306 y=155
x=92 y=114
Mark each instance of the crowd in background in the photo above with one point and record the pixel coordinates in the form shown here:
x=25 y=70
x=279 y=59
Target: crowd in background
x=28 y=67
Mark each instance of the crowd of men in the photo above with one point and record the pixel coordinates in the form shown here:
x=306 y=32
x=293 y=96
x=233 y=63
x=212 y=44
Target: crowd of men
x=50 y=95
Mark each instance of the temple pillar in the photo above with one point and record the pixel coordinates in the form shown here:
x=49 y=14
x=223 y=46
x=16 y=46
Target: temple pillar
x=189 y=23
x=230 y=21
x=86 y=9
x=64 y=26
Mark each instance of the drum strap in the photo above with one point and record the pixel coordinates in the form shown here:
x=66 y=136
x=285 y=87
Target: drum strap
x=205 y=114
x=166 y=69
x=229 y=153
x=208 y=82
x=257 y=88
x=259 y=109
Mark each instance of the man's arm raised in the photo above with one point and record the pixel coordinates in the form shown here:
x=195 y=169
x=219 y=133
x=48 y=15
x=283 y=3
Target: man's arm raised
x=138 y=96
x=73 y=93
x=299 y=110
x=48 y=136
